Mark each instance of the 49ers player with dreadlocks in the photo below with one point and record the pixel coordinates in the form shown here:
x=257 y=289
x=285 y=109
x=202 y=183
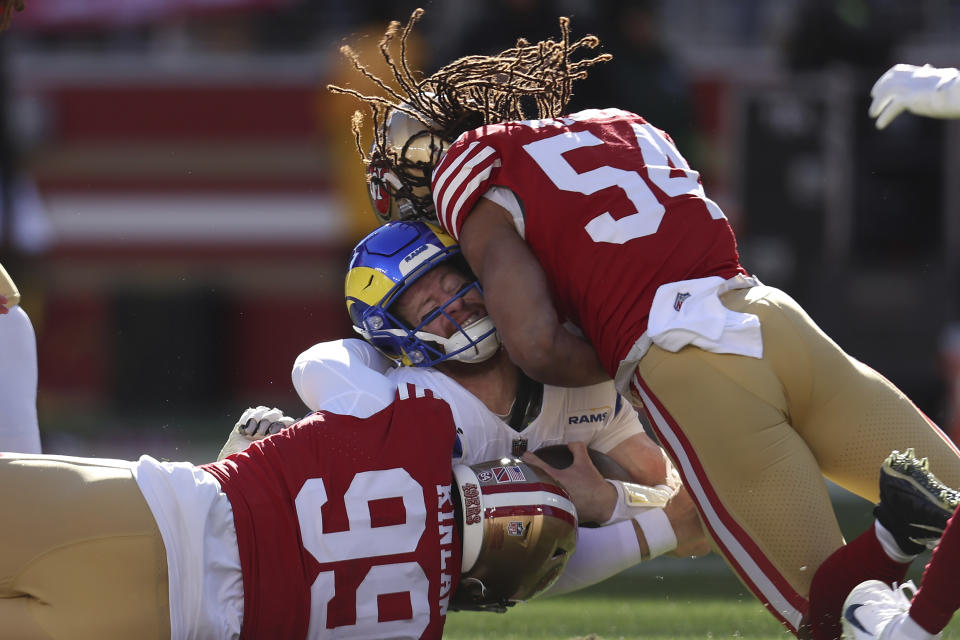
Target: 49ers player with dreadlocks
x=596 y=219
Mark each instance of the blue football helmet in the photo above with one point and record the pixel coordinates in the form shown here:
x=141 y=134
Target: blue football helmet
x=383 y=265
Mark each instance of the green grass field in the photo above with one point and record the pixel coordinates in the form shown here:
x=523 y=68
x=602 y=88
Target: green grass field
x=639 y=604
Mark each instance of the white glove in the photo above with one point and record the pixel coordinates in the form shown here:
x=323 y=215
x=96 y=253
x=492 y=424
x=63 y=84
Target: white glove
x=256 y=423
x=925 y=91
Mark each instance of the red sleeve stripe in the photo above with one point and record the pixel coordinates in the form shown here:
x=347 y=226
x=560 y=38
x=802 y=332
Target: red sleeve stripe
x=448 y=190
x=470 y=167
x=443 y=173
x=469 y=191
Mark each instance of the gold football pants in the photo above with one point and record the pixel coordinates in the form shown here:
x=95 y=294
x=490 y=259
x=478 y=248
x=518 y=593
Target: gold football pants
x=753 y=439
x=81 y=557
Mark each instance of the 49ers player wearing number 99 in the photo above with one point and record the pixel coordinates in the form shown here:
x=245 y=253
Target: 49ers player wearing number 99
x=335 y=527
x=595 y=219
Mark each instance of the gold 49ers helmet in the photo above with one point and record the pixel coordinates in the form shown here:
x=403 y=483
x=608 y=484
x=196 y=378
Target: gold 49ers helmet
x=400 y=168
x=519 y=531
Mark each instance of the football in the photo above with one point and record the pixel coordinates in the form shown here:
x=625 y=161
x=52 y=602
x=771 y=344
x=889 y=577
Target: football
x=559 y=456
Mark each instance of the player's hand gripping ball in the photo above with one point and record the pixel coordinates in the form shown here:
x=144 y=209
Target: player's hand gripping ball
x=581 y=471
x=560 y=456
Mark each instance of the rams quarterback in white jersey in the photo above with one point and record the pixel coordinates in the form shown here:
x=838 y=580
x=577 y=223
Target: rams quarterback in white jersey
x=350 y=376
x=423 y=319
x=422 y=316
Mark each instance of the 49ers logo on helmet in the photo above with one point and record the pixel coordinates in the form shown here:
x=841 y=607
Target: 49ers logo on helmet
x=379 y=196
x=471 y=499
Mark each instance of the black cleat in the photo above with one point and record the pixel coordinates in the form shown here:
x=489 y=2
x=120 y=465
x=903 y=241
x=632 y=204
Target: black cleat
x=914 y=504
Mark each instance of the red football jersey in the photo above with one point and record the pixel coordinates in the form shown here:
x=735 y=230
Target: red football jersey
x=348 y=524
x=609 y=207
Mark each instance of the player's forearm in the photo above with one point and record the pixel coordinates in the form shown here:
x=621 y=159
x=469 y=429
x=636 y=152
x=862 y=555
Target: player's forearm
x=685 y=521
x=520 y=304
x=518 y=299
x=601 y=553
x=555 y=356
x=666 y=521
x=644 y=460
x=606 y=551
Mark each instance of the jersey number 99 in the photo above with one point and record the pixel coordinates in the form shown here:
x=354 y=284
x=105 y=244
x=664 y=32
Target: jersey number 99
x=363 y=541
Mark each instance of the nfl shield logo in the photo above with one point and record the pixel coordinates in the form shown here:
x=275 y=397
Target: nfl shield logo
x=514 y=528
x=519 y=446
x=678 y=302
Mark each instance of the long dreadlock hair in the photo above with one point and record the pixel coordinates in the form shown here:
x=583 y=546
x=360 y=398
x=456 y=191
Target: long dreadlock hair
x=525 y=81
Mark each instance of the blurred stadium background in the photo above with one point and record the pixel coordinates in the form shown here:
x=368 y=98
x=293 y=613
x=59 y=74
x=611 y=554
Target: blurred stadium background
x=181 y=193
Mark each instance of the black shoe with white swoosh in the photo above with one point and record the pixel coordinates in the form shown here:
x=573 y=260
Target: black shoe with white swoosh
x=914 y=504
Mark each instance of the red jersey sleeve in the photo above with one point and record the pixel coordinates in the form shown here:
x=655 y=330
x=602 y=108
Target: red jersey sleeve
x=461 y=177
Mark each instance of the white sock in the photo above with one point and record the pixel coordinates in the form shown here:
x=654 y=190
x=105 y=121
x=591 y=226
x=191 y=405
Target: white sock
x=889 y=544
x=908 y=629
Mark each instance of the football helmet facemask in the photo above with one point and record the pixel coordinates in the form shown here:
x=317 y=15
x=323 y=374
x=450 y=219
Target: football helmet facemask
x=398 y=175
x=519 y=530
x=384 y=265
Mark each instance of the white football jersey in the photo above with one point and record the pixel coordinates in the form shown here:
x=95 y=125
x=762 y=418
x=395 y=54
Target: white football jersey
x=350 y=376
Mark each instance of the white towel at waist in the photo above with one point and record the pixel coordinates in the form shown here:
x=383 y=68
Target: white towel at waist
x=689 y=312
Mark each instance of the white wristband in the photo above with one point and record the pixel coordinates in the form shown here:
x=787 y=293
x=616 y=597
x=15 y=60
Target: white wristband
x=658 y=531
x=633 y=499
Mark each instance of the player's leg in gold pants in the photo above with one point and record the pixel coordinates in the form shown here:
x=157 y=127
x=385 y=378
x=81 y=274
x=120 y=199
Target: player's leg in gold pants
x=81 y=557
x=753 y=439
